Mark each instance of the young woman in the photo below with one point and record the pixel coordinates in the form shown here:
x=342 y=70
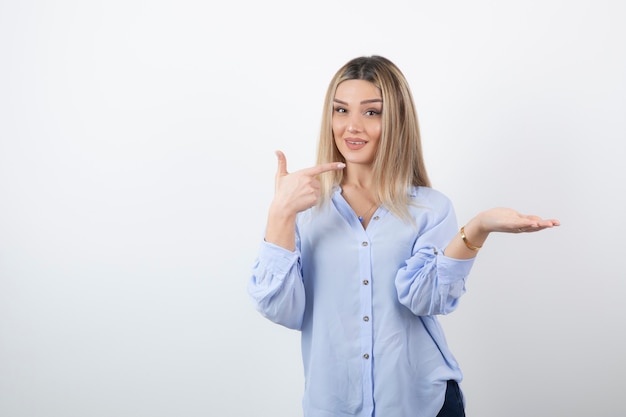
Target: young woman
x=360 y=255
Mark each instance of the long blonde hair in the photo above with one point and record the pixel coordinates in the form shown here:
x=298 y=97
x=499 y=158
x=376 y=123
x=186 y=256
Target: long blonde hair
x=399 y=162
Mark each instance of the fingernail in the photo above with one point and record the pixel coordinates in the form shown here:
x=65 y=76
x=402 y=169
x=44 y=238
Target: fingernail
x=341 y=165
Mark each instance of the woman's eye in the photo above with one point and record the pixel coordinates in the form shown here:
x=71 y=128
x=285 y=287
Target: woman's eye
x=340 y=110
x=372 y=112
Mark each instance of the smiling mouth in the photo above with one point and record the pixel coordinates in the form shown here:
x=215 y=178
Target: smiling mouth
x=355 y=145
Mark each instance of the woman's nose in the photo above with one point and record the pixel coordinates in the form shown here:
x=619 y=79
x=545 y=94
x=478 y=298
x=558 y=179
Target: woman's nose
x=354 y=125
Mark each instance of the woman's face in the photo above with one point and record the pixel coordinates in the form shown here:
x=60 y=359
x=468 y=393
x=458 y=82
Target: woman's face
x=357 y=120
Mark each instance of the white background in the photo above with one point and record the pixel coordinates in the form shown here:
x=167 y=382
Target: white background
x=136 y=167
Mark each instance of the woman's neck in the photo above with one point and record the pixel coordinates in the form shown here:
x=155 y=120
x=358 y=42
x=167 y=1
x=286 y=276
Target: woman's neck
x=357 y=177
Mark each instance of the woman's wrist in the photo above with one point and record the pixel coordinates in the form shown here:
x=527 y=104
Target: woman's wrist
x=473 y=235
x=468 y=244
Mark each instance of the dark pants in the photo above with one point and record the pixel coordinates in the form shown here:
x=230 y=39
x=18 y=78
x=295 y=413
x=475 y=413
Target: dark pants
x=453 y=405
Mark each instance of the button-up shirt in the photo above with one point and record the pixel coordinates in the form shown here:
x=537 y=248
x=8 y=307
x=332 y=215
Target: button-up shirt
x=366 y=301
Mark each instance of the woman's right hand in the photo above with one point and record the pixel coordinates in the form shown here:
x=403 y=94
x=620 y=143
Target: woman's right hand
x=297 y=191
x=293 y=192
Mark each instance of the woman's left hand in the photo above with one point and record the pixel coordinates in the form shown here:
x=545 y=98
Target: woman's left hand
x=500 y=219
x=507 y=220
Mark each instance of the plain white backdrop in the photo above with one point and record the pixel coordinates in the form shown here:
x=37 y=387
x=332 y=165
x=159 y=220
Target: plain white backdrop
x=137 y=164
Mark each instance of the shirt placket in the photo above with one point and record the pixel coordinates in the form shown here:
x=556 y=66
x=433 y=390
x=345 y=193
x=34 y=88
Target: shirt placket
x=366 y=322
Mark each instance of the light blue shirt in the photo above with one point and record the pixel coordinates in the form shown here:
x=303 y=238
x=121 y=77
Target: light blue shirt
x=365 y=301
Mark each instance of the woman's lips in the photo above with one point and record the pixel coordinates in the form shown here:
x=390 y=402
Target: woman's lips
x=355 y=144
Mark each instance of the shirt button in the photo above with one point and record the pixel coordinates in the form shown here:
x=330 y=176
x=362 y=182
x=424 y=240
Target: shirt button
x=364 y=244
x=365 y=318
x=376 y=217
x=366 y=356
x=365 y=282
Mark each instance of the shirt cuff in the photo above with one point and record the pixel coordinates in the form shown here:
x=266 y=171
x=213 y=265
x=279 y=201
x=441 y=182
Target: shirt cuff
x=277 y=258
x=452 y=270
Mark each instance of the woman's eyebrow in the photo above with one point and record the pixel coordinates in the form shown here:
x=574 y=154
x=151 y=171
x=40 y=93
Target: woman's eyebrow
x=371 y=100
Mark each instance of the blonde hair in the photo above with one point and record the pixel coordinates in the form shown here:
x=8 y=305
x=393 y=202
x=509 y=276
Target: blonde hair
x=399 y=162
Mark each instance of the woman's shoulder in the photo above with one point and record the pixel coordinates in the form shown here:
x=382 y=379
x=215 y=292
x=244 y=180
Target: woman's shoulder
x=429 y=206
x=422 y=195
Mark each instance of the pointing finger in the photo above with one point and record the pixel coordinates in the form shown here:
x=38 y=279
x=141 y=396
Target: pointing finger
x=282 y=163
x=320 y=169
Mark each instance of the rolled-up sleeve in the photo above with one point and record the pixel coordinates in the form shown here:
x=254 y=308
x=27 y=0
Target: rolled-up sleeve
x=431 y=283
x=276 y=287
